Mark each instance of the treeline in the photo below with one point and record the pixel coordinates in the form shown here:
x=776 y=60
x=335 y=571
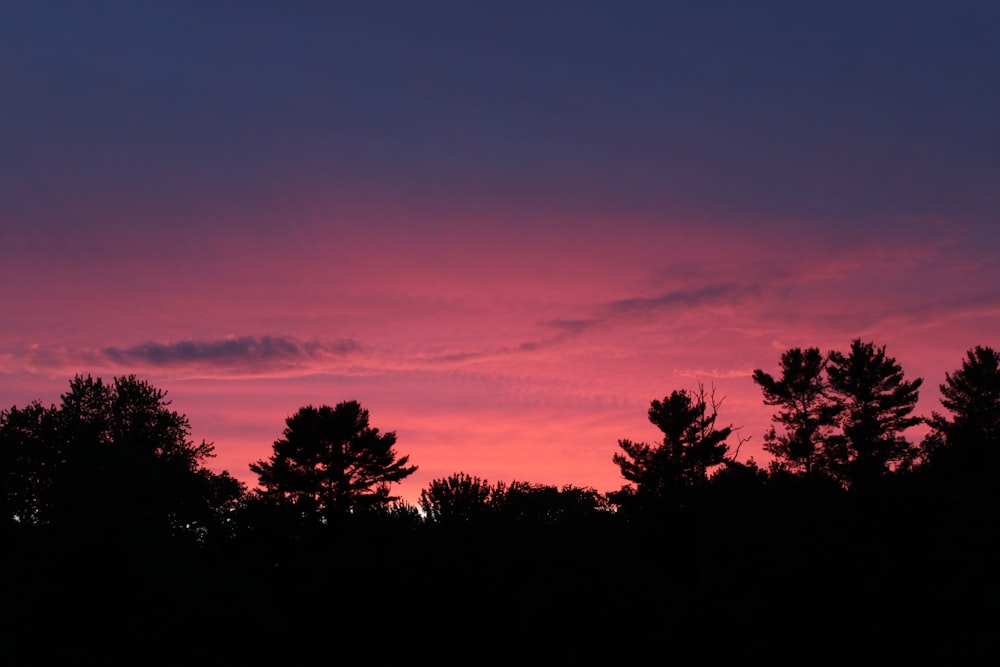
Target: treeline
x=117 y=534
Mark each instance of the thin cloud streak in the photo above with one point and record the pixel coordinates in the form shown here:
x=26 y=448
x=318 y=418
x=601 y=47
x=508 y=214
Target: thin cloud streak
x=684 y=298
x=572 y=327
x=715 y=373
x=243 y=356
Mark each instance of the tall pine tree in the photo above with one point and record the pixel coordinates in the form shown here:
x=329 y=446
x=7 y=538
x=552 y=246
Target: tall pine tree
x=331 y=462
x=806 y=414
x=968 y=441
x=875 y=404
x=691 y=445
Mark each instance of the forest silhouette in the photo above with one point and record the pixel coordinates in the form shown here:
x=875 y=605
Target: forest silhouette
x=853 y=543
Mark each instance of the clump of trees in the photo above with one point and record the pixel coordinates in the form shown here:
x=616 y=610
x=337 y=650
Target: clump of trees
x=462 y=500
x=110 y=458
x=694 y=534
x=841 y=415
x=114 y=456
x=458 y=499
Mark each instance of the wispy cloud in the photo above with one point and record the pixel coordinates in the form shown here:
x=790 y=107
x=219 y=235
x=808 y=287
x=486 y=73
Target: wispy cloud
x=684 y=298
x=559 y=332
x=230 y=356
x=571 y=327
x=564 y=329
x=714 y=373
x=462 y=358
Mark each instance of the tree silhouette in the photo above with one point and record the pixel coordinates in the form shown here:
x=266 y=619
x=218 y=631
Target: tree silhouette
x=458 y=498
x=546 y=505
x=691 y=446
x=970 y=438
x=29 y=452
x=875 y=403
x=111 y=458
x=807 y=416
x=331 y=462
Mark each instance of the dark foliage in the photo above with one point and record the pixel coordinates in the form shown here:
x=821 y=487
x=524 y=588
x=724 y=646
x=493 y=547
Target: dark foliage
x=330 y=462
x=875 y=404
x=691 y=445
x=547 y=505
x=741 y=564
x=461 y=499
x=458 y=498
x=842 y=416
x=968 y=443
x=806 y=414
x=110 y=458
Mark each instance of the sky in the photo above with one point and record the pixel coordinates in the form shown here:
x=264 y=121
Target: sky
x=503 y=227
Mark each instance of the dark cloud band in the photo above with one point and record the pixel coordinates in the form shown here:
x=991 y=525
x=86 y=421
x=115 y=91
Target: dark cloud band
x=230 y=352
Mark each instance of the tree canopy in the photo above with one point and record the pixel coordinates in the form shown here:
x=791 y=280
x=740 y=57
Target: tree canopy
x=806 y=414
x=112 y=464
x=110 y=456
x=330 y=462
x=969 y=438
x=691 y=445
x=875 y=403
x=841 y=416
x=458 y=498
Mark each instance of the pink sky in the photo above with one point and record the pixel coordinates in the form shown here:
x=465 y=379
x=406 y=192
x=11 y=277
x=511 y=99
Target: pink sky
x=522 y=355
x=504 y=231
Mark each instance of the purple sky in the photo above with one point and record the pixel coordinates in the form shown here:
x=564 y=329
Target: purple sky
x=503 y=230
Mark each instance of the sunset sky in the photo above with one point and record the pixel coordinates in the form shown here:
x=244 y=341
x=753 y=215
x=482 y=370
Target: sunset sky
x=504 y=229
